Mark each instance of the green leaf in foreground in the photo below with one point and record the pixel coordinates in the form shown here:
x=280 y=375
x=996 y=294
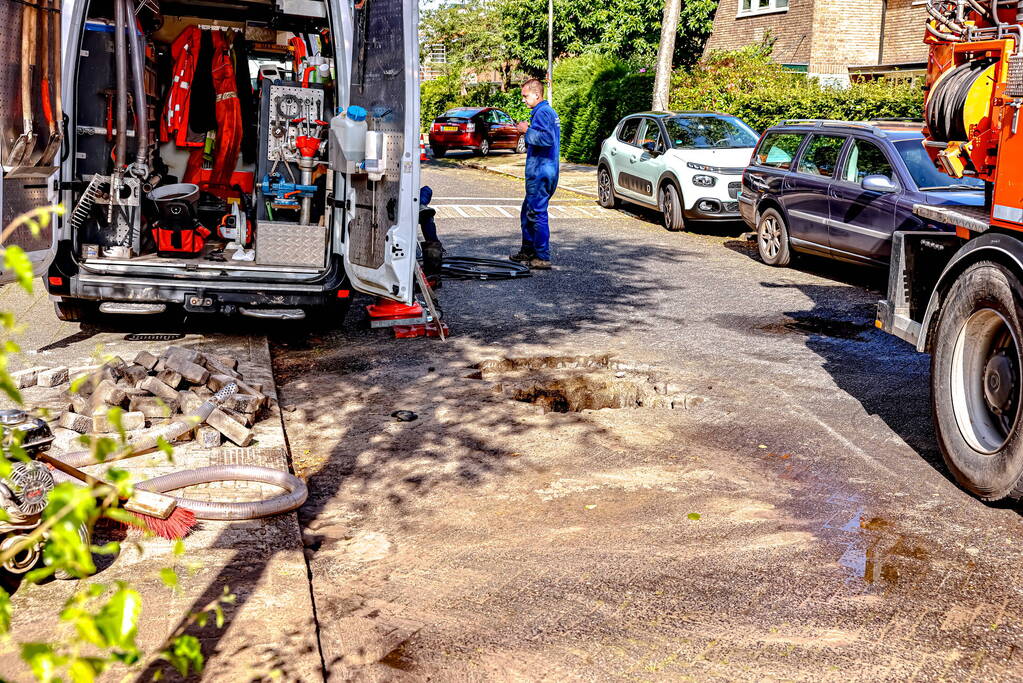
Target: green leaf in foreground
x=693 y=516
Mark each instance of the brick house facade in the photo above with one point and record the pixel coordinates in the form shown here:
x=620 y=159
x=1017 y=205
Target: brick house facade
x=832 y=39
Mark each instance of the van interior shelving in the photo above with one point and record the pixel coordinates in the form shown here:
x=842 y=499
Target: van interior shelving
x=237 y=103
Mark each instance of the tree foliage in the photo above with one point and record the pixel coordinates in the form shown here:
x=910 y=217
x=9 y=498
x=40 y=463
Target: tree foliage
x=629 y=30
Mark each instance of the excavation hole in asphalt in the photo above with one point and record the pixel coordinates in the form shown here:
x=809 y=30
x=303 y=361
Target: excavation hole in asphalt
x=571 y=384
x=828 y=327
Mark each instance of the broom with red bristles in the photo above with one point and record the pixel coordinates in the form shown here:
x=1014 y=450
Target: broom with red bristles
x=150 y=511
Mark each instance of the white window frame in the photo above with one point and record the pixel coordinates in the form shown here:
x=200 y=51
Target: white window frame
x=770 y=7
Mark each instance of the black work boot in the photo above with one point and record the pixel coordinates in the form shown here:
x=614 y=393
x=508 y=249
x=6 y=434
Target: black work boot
x=523 y=256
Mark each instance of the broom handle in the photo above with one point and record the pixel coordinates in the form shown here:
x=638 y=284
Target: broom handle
x=70 y=470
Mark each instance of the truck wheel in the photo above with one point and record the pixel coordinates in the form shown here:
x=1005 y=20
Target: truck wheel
x=976 y=381
x=671 y=207
x=773 y=239
x=329 y=316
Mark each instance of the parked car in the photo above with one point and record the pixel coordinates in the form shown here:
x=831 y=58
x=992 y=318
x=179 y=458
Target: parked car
x=840 y=189
x=482 y=129
x=687 y=165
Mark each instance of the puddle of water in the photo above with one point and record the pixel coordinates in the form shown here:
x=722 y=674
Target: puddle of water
x=810 y=325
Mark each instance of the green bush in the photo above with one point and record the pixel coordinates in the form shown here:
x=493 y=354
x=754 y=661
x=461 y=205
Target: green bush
x=591 y=94
x=747 y=84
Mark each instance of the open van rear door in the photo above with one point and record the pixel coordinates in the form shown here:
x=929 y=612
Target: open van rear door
x=30 y=123
x=382 y=209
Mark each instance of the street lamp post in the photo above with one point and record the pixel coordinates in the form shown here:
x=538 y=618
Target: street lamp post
x=550 y=50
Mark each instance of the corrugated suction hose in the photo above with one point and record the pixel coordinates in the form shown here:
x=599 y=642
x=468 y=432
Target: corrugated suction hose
x=295 y=493
x=946 y=106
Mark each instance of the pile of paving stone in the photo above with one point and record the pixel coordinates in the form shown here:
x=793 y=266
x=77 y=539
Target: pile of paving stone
x=153 y=390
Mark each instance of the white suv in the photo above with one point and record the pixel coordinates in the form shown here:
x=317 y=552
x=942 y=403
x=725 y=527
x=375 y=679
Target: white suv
x=687 y=165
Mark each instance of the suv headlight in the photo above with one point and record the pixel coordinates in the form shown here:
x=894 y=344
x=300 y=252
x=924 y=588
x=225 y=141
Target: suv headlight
x=699 y=167
x=704 y=180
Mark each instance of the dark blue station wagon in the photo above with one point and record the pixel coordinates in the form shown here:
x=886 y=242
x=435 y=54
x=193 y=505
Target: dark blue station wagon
x=840 y=189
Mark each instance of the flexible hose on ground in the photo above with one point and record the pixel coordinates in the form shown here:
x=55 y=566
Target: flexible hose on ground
x=295 y=496
x=469 y=268
x=295 y=489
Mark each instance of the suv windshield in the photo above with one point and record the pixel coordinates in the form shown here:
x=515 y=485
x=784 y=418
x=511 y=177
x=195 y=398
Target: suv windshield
x=925 y=175
x=704 y=132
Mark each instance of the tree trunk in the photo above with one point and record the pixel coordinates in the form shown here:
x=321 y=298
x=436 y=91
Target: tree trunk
x=665 y=52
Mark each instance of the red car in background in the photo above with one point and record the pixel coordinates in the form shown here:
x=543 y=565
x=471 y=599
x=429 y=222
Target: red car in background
x=483 y=129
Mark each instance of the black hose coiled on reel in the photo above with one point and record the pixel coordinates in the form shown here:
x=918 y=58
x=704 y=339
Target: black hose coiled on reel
x=944 y=112
x=470 y=268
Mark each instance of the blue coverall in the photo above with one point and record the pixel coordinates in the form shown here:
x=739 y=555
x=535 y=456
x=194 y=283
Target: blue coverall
x=543 y=150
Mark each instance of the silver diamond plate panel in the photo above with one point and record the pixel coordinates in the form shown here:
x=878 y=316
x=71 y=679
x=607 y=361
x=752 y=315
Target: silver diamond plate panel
x=291 y=244
x=1014 y=83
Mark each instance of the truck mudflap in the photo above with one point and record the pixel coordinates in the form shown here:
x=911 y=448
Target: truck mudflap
x=918 y=260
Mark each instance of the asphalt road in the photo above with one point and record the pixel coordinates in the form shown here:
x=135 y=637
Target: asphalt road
x=766 y=502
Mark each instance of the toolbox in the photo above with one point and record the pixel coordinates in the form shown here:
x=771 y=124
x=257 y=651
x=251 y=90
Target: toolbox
x=291 y=244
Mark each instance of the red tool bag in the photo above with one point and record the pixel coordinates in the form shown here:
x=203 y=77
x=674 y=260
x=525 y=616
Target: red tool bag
x=179 y=241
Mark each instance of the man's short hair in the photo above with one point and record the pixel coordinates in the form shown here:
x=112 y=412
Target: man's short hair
x=533 y=86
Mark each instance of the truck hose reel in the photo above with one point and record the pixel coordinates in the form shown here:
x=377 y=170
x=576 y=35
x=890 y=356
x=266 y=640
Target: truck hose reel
x=959 y=100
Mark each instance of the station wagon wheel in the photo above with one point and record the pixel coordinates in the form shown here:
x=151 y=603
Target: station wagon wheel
x=773 y=239
x=485 y=147
x=520 y=146
x=605 y=190
x=671 y=208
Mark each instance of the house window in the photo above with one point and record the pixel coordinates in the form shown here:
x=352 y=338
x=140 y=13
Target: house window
x=749 y=7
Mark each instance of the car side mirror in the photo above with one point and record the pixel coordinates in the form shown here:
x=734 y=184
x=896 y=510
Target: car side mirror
x=879 y=183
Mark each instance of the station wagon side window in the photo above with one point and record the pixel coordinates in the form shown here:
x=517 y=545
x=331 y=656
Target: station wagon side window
x=820 y=156
x=865 y=158
x=777 y=150
x=628 y=130
x=649 y=132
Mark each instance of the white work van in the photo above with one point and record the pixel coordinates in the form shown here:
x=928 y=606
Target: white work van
x=273 y=169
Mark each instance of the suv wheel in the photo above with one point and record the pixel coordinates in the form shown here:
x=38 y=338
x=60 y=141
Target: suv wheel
x=605 y=189
x=773 y=239
x=73 y=310
x=671 y=207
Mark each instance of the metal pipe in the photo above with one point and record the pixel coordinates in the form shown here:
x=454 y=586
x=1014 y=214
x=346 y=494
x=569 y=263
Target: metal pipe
x=121 y=76
x=140 y=169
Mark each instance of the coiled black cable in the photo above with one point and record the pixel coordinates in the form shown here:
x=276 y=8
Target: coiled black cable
x=471 y=268
x=944 y=111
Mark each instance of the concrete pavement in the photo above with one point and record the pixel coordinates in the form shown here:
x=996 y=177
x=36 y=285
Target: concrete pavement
x=578 y=178
x=761 y=500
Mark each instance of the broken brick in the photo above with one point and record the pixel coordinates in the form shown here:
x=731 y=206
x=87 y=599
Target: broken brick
x=229 y=427
x=153 y=407
x=146 y=360
x=25 y=378
x=158 y=388
x=207 y=437
x=170 y=378
x=192 y=372
x=75 y=422
x=107 y=395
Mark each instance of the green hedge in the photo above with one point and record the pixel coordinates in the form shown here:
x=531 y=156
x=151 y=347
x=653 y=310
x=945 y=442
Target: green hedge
x=748 y=85
x=591 y=94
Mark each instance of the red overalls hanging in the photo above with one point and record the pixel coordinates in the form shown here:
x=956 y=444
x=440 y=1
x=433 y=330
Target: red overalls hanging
x=229 y=124
x=185 y=51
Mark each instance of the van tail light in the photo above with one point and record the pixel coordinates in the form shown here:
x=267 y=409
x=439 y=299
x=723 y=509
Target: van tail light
x=470 y=127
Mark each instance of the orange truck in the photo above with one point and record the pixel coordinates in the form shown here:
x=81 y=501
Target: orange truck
x=959 y=295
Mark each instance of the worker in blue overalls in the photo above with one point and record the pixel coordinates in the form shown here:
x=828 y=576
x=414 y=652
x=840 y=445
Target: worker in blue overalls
x=543 y=150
